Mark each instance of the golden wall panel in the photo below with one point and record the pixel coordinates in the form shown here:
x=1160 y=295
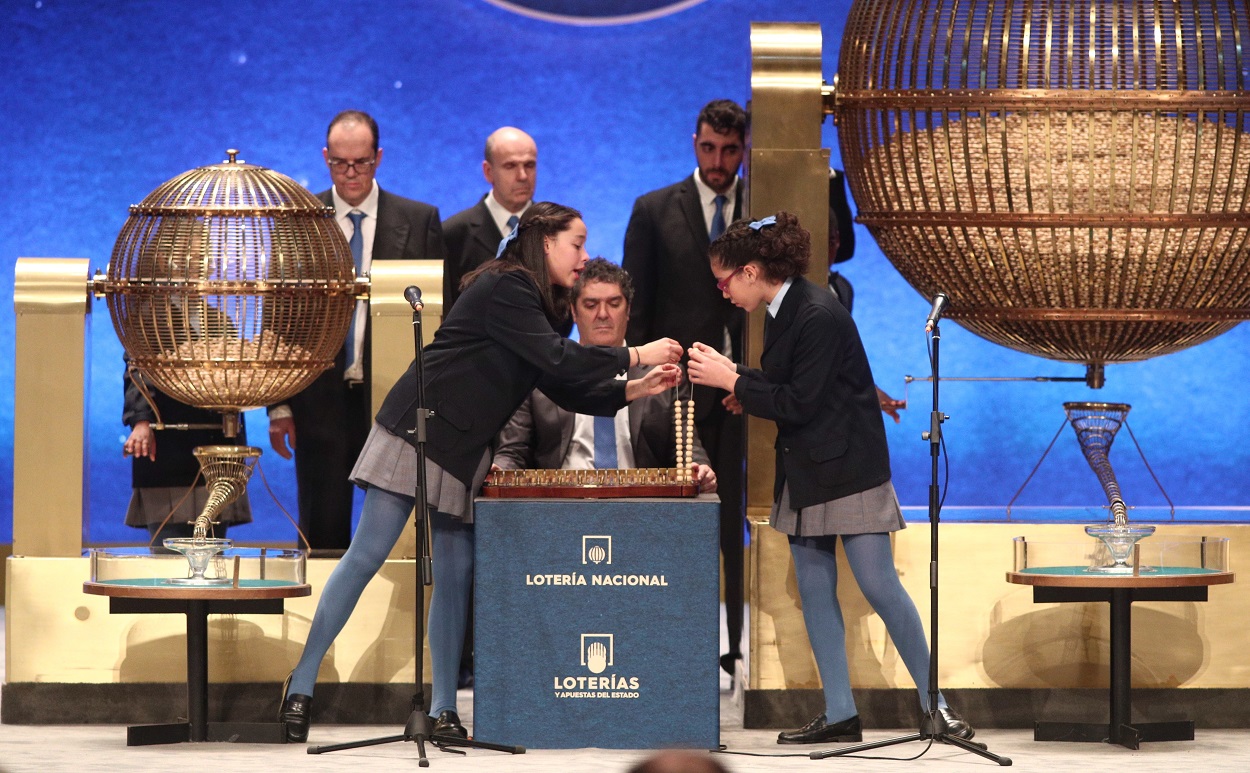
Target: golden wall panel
x=49 y=405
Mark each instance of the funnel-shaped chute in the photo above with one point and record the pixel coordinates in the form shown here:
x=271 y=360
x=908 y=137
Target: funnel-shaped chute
x=1095 y=425
x=226 y=470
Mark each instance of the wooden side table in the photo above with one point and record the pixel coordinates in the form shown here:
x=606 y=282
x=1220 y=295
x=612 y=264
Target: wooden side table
x=254 y=597
x=1066 y=584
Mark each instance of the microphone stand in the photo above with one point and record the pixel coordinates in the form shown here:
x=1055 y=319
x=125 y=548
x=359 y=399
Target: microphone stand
x=418 y=728
x=932 y=725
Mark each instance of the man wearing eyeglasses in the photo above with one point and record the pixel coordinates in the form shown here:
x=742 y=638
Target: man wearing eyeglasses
x=666 y=245
x=472 y=236
x=325 y=425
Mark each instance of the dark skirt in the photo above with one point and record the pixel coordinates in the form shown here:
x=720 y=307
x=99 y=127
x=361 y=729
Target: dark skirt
x=390 y=463
x=869 y=512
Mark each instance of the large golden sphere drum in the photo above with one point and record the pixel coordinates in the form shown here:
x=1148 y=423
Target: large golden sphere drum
x=231 y=287
x=1074 y=175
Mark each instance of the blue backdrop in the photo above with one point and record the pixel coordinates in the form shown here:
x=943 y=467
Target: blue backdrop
x=103 y=101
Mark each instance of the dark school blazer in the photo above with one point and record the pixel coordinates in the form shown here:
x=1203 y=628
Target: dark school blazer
x=815 y=383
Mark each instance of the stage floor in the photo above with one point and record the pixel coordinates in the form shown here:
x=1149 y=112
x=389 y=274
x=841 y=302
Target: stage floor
x=86 y=748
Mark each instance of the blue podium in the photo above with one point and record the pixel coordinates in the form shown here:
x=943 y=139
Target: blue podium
x=597 y=623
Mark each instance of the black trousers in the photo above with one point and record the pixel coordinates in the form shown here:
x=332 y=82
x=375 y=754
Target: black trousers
x=330 y=431
x=723 y=437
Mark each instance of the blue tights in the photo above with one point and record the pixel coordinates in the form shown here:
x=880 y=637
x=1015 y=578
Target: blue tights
x=381 y=522
x=872 y=562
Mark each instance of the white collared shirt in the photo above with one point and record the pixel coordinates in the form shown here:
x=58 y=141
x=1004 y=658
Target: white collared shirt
x=774 y=305
x=368 y=228
x=500 y=213
x=707 y=197
x=581 y=453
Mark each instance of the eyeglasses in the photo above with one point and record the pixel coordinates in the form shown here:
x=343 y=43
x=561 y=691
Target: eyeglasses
x=723 y=285
x=360 y=165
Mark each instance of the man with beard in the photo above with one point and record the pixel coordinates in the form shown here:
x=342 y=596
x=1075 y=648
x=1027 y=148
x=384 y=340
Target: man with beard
x=666 y=246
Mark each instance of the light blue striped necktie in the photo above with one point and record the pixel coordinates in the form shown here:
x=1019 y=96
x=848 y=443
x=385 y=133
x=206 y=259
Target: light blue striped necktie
x=357 y=244
x=605 y=442
x=718 y=217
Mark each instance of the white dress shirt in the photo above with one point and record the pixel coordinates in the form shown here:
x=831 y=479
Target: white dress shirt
x=368 y=228
x=500 y=213
x=707 y=197
x=581 y=454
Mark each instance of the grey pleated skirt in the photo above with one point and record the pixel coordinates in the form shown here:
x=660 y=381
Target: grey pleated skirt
x=390 y=463
x=150 y=505
x=868 y=512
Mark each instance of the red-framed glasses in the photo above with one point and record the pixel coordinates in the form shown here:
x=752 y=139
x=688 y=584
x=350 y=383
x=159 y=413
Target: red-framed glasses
x=723 y=285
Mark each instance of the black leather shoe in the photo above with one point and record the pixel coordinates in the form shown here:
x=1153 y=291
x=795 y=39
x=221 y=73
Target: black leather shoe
x=296 y=710
x=820 y=731
x=954 y=724
x=729 y=662
x=448 y=723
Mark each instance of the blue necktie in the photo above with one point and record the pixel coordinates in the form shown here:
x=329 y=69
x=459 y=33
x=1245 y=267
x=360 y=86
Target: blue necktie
x=357 y=244
x=605 y=442
x=512 y=221
x=718 y=217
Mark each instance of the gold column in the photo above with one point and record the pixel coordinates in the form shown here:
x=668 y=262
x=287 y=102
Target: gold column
x=392 y=342
x=50 y=300
x=786 y=169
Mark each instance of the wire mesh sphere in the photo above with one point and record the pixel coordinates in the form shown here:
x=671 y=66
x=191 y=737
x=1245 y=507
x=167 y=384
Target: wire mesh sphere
x=1073 y=175
x=231 y=286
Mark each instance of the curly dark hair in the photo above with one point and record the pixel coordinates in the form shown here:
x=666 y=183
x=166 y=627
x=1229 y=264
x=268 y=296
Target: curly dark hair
x=604 y=270
x=526 y=253
x=783 y=250
x=724 y=116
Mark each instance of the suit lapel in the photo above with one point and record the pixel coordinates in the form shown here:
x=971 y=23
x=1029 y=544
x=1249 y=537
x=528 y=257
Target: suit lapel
x=635 y=412
x=566 y=421
x=692 y=210
x=391 y=232
x=796 y=296
x=485 y=232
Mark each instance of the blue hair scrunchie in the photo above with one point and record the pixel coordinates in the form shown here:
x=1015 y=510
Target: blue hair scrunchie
x=756 y=225
x=503 y=243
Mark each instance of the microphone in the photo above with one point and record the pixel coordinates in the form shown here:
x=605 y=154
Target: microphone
x=939 y=305
x=412 y=294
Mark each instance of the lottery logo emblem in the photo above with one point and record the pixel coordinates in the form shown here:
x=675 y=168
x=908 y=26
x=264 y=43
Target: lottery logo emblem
x=597 y=549
x=597 y=652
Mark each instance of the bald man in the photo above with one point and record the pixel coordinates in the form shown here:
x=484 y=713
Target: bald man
x=472 y=236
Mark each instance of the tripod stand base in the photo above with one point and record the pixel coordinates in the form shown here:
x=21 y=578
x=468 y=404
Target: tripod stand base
x=418 y=731
x=1130 y=736
x=979 y=749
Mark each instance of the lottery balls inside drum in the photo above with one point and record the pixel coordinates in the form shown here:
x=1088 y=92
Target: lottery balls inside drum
x=1074 y=176
x=231 y=286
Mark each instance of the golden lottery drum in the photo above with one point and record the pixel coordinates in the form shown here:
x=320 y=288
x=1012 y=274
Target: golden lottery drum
x=231 y=286
x=1073 y=175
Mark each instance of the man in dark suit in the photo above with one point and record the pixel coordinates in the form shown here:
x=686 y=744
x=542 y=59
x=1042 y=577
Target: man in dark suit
x=472 y=236
x=543 y=435
x=326 y=424
x=666 y=254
